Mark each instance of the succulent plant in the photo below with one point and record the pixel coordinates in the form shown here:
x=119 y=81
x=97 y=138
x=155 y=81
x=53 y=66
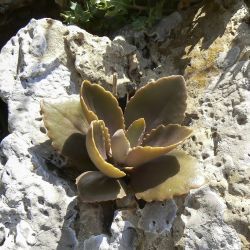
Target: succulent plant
x=119 y=154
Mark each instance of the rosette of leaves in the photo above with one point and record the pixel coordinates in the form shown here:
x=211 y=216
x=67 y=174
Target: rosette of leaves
x=122 y=153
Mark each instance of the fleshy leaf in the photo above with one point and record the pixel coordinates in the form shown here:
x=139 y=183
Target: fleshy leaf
x=181 y=175
x=153 y=173
x=160 y=141
x=107 y=140
x=67 y=126
x=120 y=146
x=164 y=136
x=95 y=143
x=135 y=132
x=160 y=102
x=101 y=104
x=94 y=186
x=75 y=149
x=90 y=115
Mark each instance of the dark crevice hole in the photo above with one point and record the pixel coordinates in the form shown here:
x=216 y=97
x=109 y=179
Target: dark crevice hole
x=189 y=118
x=141 y=203
x=130 y=93
x=3 y=120
x=122 y=102
x=3 y=160
x=205 y=156
x=2 y=239
x=108 y=209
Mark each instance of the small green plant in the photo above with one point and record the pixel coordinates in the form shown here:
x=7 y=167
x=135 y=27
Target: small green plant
x=108 y=15
x=131 y=153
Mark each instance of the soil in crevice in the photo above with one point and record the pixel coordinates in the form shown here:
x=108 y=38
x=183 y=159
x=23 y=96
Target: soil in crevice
x=3 y=120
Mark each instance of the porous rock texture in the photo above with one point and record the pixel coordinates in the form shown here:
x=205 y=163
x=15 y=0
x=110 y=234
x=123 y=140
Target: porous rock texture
x=210 y=45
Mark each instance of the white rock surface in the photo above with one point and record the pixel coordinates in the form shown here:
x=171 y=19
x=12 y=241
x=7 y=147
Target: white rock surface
x=34 y=201
x=204 y=224
x=38 y=208
x=157 y=217
x=44 y=61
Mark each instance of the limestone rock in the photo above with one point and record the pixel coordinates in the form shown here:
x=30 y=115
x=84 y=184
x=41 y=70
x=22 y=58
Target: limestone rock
x=204 y=224
x=38 y=208
x=110 y=57
x=157 y=217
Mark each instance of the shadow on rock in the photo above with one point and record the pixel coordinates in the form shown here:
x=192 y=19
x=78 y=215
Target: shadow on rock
x=3 y=120
x=68 y=238
x=197 y=28
x=52 y=167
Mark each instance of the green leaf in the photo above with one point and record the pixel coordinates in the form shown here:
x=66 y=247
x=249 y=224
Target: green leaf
x=96 y=101
x=95 y=143
x=138 y=23
x=160 y=141
x=117 y=8
x=78 y=13
x=155 y=13
x=181 y=175
x=135 y=132
x=94 y=186
x=102 y=16
x=66 y=127
x=160 y=102
x=73 y=5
